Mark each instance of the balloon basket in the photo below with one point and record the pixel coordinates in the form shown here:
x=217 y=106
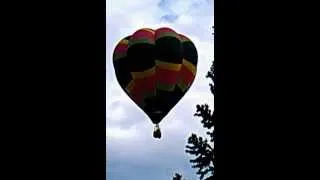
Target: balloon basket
x=157 y=132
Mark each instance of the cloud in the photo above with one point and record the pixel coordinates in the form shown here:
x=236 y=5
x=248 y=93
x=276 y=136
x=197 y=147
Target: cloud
x=169 y=18
x=154 y=171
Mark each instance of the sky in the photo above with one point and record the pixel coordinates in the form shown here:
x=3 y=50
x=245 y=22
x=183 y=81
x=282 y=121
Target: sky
x=132 y=152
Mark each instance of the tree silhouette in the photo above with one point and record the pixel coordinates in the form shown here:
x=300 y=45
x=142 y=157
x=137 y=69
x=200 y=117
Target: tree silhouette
x=177 y=177
x=200 y=147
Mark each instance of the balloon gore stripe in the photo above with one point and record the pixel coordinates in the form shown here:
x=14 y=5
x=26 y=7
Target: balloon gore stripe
x=168 y=66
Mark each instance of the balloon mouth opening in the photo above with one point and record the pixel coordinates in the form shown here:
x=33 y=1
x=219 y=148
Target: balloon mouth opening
x=157 y=132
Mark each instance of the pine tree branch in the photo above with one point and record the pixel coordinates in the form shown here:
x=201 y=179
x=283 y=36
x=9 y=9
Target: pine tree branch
x=203 y=153
x=177 y=177
x=207 y=117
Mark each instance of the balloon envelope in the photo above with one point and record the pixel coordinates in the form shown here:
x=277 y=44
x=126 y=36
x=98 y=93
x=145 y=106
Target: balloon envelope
x=155 y=68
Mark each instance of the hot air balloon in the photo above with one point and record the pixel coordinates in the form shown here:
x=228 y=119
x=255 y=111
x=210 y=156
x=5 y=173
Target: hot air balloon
x=155 y=68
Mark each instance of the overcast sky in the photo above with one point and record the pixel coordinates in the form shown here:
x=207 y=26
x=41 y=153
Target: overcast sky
x=132 y=152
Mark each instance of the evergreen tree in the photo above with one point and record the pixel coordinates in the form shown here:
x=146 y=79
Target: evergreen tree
x=177 y=177
x=201 y=147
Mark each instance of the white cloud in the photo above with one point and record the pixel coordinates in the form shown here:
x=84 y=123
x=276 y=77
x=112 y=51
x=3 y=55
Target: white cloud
x=180 y=6
x=118 y=114
x=185 y=20
x=121 y=134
